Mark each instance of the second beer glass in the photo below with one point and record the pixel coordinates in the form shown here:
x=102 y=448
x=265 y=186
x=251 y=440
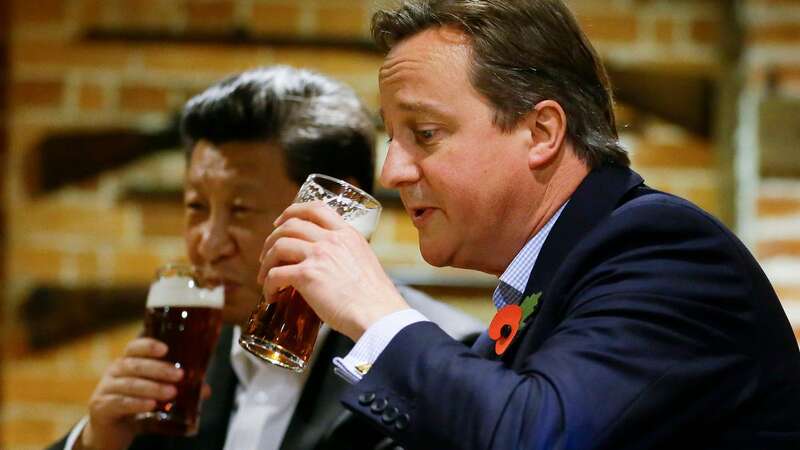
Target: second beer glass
x=283 y=332
x=187 y=316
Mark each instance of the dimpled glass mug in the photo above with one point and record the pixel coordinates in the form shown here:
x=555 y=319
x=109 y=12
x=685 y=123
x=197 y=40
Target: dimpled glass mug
x=283 y=332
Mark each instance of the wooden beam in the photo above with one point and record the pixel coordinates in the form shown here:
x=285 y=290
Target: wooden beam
x=726 y=108
x=75 y=156
x=52 y=315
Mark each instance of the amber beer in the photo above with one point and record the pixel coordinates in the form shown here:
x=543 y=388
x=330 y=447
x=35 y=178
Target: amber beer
x=283 y=332
x=187 y=317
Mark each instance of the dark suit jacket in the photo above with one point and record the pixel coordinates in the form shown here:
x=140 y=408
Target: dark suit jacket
x=319 y=421
x=656 y=329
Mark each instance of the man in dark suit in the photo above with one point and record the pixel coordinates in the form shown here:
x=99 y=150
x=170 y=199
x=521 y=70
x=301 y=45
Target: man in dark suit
x=628 y=318
x=251 y=141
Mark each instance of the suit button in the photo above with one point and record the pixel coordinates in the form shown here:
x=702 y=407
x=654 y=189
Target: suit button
x=366 y=398
x=390 y=415
x=379 y=405
x=401 y=423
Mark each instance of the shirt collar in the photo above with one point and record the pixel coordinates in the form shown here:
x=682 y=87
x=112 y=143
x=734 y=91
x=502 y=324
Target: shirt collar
x=517 y=274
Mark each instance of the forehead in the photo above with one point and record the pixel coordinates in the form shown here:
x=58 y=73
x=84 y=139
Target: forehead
x=429 y=67
x=244 y=165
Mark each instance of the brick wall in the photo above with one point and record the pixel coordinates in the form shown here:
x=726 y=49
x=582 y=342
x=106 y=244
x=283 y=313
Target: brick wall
x=4 y=71
x=772 y=67
x=86 y=234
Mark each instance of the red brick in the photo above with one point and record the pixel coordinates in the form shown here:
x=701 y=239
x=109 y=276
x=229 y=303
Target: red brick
x=91 y=97
x=616 y=28
x=162 y=220
x=38 y=12
x=664 y=30
x=37 y=93
x=788 y=74
x=683 y=155
x=275 y=19
x=787 y=292
x=706 y=198
x=28 y=432
x=778 y=206
x=210 y=14
x=143 y=98
x=779 y=247
x=334 y=62
x=705 y=31
x=216 y=60
x=136 y=265
x=34 y=263
x=63 y=56
x=350 y=20
x=783 y=33
x=97 y=223
x=150 y=13
x=93 y=13
x=57 y=388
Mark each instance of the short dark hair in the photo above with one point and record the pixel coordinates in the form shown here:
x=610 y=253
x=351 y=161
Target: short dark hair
x=318 y=123
x=523 y=52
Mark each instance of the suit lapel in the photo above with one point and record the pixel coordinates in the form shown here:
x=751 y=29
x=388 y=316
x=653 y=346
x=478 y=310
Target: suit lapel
x=216 y=411
x=318 y=406
x=593 y=201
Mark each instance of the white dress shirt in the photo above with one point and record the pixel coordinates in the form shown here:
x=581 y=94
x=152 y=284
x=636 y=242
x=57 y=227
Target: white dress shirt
x=265 y=398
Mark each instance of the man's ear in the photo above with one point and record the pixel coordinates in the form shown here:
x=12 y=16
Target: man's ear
x=548 y=125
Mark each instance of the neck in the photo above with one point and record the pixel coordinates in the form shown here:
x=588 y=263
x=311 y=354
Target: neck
x=554 y=185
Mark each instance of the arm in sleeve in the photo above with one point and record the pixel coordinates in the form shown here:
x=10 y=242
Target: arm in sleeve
x=648 y=338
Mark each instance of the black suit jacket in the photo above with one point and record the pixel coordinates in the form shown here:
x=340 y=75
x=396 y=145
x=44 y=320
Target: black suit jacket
x=656 y=330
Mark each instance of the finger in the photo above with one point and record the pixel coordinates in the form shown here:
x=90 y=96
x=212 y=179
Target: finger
x=146 y=368
x=139 y=387
x=279 y=277
x=146 y=347
x=119 y=405
x=316 y=212
x=293 y=228
x=205 y=393
x=285 y=251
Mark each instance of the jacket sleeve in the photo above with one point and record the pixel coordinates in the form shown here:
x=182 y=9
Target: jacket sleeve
x=651 y=336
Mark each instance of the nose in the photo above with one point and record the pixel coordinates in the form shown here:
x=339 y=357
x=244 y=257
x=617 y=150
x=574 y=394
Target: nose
x=216 y=242
x=400 y=167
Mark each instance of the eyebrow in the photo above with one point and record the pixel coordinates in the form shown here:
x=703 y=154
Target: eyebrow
x=418 y=107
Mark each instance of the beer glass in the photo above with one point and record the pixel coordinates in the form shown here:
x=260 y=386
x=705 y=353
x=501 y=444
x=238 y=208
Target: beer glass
x=187 y=316
x=283 y=332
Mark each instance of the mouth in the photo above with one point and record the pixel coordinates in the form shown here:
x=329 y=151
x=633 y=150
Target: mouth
x=230 y=286
x=420 y=215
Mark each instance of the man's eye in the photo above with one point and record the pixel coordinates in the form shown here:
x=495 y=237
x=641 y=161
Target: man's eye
x=195 y=206
x=425 y=136
x=240 y=210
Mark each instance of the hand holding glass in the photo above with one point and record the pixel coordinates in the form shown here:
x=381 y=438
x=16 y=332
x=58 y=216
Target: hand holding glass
x=283 y=331
x=185 y=315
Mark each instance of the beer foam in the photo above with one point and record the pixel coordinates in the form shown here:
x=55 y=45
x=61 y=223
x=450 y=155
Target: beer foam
x=364 y=223
x=181 y=291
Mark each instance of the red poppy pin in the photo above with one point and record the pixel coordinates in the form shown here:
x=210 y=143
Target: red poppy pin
x=508 y=320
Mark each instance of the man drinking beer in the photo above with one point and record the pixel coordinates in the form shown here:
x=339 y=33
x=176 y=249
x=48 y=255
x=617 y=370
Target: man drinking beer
x=251 y=141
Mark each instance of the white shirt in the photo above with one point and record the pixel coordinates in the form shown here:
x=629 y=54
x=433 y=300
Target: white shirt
x=265 y=398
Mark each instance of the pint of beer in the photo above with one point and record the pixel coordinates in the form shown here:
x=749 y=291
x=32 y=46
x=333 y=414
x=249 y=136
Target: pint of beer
x=186 y=316
x=283 y=332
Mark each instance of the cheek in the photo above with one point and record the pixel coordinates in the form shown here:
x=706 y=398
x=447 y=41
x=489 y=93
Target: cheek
x=251 y=241
x=191 y=239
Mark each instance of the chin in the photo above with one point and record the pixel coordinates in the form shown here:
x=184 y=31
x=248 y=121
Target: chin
x=436 y=257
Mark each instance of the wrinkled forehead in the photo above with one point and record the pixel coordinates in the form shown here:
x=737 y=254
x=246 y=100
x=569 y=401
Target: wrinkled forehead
x=438 y=46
